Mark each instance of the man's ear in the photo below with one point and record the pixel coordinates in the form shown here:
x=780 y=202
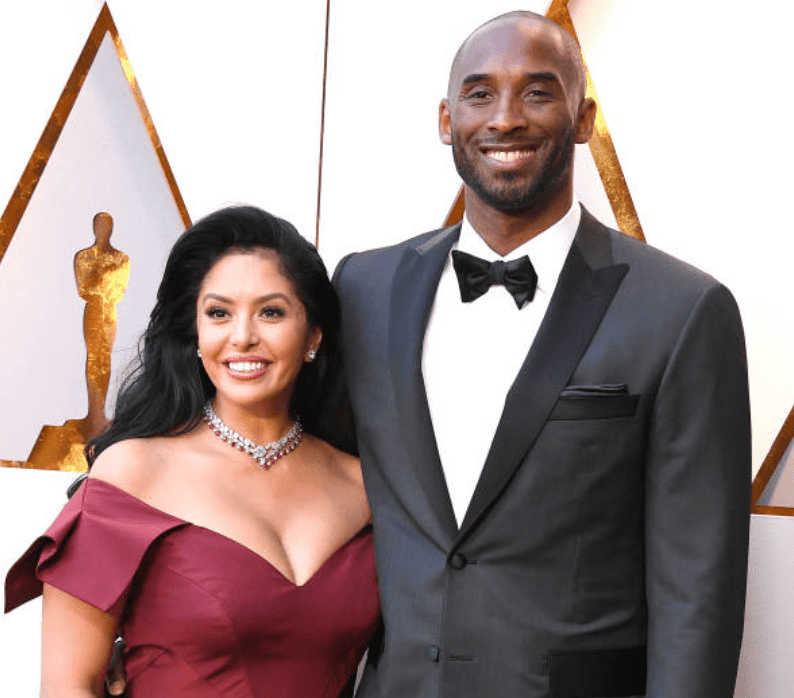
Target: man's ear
x=444 y=125
x=585 y=120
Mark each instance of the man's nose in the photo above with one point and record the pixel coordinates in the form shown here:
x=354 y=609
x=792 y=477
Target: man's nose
x=509 y=114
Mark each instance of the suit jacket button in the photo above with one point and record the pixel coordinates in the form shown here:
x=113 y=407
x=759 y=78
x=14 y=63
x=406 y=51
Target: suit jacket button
x=434 y=653
x=457 y=561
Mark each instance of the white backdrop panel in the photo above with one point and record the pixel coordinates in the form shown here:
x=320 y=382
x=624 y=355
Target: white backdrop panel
x=29 y=501
x=235 y=91
x=766 y=669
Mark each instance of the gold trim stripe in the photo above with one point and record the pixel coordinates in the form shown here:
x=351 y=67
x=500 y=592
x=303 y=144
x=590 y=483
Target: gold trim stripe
x=44 y=148
x=145 y=115
x=604 y=154
x=768 y=467
x=322 y=125
x=457 y=209
x=772 y=511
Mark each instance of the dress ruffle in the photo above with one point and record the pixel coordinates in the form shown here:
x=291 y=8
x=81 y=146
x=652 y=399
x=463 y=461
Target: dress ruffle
x=93 y=548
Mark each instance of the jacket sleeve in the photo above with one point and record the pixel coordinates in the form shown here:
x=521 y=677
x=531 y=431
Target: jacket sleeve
x=697 y=507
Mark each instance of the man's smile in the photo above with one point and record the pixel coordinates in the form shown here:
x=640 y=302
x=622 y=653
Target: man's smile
x=508 y=155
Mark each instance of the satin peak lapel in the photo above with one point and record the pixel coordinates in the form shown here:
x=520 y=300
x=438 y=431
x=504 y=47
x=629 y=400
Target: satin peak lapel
x=587 y=284
x=413 y=290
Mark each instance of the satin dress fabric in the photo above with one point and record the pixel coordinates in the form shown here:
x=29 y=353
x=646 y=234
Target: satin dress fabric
x=205 y=616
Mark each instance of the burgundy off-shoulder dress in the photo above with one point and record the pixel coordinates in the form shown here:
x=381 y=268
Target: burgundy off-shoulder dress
x=206 y=616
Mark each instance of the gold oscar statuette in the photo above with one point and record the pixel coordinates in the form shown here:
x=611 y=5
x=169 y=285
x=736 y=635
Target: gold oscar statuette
x=101 y=272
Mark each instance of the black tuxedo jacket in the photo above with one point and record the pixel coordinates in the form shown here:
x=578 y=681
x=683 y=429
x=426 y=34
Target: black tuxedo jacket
x=604 y=551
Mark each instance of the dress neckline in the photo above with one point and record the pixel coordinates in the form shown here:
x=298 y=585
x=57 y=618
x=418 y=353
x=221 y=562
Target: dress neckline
x=184 y=522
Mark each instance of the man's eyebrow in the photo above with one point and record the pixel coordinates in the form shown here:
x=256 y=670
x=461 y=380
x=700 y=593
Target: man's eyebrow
x=475 y=77
x=544 y=76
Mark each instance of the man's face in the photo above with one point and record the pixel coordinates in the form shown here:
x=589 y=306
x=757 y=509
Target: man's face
x=513 y=115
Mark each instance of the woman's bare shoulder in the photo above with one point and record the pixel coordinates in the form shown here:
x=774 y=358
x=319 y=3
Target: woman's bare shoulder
x=131 y=465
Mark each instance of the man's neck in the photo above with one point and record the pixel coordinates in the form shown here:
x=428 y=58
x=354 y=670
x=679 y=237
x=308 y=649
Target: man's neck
x=504 y=231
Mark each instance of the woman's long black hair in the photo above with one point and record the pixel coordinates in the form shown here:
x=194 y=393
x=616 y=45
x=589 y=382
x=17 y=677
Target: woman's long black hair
x=166 y=388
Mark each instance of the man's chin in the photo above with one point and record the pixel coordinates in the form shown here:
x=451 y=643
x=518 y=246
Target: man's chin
x=510 y=201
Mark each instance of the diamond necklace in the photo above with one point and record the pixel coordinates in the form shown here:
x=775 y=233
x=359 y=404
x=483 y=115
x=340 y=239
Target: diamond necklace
x=264 y=454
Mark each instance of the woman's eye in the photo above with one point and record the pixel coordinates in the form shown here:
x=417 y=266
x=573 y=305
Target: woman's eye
x=272 y=313
x=217 y=313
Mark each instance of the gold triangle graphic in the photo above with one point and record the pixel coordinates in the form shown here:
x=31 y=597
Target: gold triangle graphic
x=601 y=146
x=61 y=448
x=52 y=131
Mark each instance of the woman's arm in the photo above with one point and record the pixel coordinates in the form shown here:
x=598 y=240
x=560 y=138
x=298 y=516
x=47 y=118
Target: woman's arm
x=77 y=640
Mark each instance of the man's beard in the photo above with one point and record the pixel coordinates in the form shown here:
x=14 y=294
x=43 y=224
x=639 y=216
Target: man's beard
x=516 y=198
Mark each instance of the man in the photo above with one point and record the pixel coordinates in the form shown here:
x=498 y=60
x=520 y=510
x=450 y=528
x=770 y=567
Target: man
x=557 y=450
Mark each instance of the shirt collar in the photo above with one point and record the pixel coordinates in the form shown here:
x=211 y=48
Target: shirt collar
x=547 y=250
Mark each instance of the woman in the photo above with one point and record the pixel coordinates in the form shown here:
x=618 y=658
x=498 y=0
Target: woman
x=229 y=545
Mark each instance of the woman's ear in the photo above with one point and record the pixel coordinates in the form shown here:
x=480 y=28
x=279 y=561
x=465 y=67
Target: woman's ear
x=313 y=345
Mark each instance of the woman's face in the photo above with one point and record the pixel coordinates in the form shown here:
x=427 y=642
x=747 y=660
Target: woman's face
x=252 y=332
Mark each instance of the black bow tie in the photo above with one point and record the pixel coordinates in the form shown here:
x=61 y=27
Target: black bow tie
x=476 y=276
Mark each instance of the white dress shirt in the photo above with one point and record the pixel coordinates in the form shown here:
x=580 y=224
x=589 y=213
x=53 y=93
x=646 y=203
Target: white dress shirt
x=473 y=351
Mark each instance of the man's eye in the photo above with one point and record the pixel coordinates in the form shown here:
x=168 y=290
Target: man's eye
x=476 y=94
